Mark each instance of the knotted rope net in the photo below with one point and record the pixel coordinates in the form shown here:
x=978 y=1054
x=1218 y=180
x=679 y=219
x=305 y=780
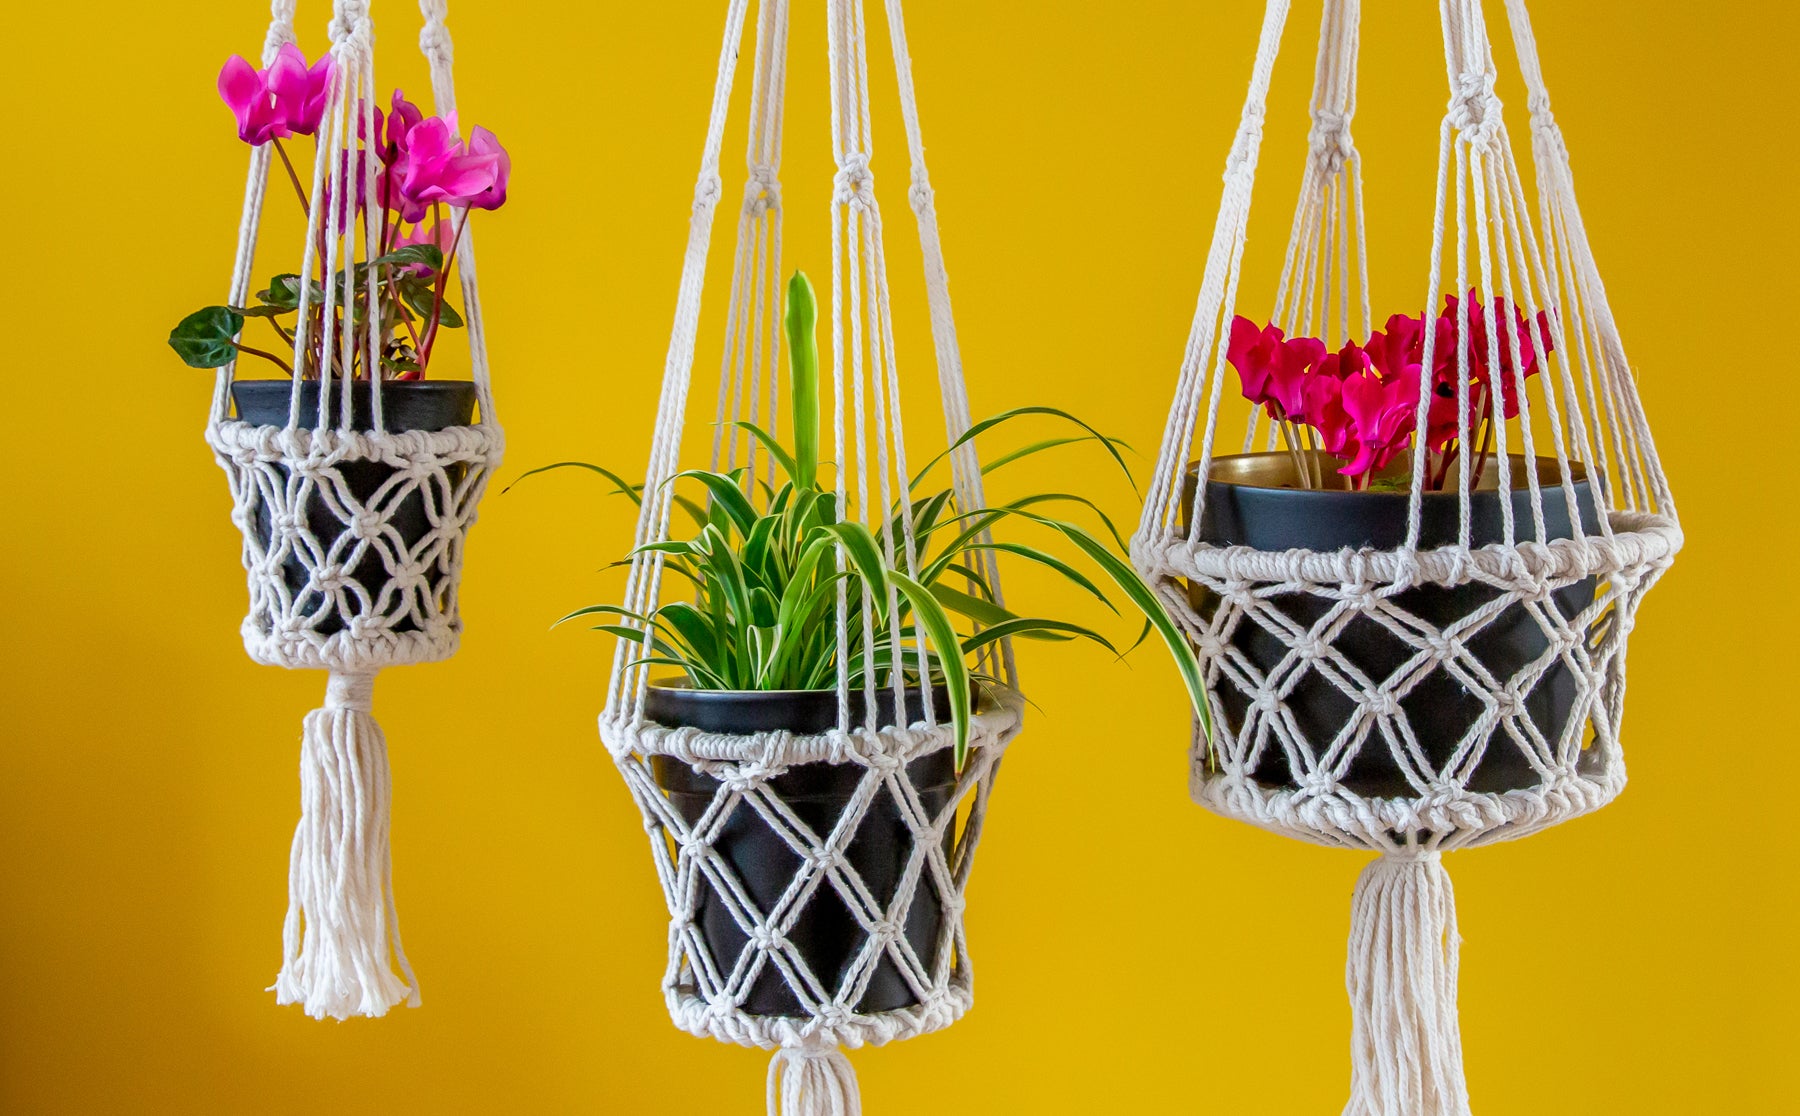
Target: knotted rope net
x=901 y=967
x=353 y=538
x=1465 y=685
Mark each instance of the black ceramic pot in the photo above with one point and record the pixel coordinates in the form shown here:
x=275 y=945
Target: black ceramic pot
x=1251 y=500
x=825 y=933
x=426 y=405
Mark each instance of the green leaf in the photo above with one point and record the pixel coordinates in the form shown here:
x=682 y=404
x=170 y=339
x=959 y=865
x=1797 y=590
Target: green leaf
x=1112 y=444
x=982 y=612
x=726 y=496
x=776 y=449
x=605 y=610
x=803 y=357
x=284 y=291
x=1128 y=580
x=1032 y=554
x=1031 y=627
x=623 y=486
x=865 y=555
x=940 y=634
x=427 y=254
x=263 y=311
x=205 y=338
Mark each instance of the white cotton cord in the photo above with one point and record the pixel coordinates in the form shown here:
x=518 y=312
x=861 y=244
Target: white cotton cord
x=342 y=935
x=812 y=1081
x=1406 y=1045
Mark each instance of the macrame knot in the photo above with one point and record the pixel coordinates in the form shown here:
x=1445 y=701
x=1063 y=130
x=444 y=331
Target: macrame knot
x=350 y=691
x=853 y=184
x=1443 y=648
x=707 y=191
x=1245 y=145
x=280 y=34
x=434 y=43
x=1329 y=141
x=921 y=195
x=1384 y=704
x=1474 y=108
x=1507 y=703
x=762 y=192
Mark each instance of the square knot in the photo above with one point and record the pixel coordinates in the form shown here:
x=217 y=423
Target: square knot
x=1268 y=702
x=1474 y=108
x=1508 y=703
x=330 y=578
x=366 y=524
x=821 y=859
x=363 y=625
x=762 y=191
x=885 y=930
x=853 y=184
x=1443 y=648
x=1309 y=647
x=707 y=191
x=767 y=939
x=1383 y=703
x=287 y=525
x=1329 y=140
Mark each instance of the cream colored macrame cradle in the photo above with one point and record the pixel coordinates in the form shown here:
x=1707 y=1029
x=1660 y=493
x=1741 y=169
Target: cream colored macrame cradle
x=335 y=584
x=1575 y=597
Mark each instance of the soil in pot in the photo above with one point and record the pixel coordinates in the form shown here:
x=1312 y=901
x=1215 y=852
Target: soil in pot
x=1254 y=500
x=825 y=934
x=425 y=405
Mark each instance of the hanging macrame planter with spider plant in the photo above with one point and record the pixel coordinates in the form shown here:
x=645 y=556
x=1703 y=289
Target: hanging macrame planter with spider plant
x=813 y=837
x=1413 y=603
x=354 y=503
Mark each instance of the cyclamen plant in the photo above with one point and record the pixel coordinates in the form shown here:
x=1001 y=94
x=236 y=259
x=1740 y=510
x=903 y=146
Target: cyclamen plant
x=1361 y=403
x=424 y=167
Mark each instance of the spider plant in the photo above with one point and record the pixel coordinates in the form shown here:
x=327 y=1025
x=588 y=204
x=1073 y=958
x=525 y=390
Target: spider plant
x=772 y=570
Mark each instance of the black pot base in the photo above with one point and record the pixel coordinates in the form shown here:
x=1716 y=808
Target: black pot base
x=825 y=934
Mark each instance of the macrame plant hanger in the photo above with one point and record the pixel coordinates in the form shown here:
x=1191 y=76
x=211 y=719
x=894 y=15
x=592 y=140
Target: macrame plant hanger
x=314 y=532
x=1406 y=1048
x=706 y=991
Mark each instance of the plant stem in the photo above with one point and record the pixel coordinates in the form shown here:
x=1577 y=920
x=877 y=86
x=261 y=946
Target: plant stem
x=299 y=190
x=437 y=301
x=242 y=348
x=1487 y=433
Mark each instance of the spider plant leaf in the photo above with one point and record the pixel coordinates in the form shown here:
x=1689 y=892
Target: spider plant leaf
x=1032 y=627
x=1032 y=554
x=1145 y=598
x=1111 y=444
x=605 y=610
x=769 y=442
x=865 y=555
x=976 y=609
x=726 y=497
x=622 y=486
x=940 y=634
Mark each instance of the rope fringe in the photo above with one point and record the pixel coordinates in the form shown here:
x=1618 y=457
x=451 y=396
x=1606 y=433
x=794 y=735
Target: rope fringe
x=341 y=922
x=1405 y=1045
x=812 y=1081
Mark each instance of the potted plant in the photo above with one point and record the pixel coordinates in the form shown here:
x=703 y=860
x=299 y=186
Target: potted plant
x=427 y=182
x=353 y=479
x=1348 y=421
x=756 y=647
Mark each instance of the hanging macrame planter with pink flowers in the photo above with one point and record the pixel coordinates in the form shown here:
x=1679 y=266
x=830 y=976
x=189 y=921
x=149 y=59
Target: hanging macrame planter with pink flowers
x=1413 y=588
x=354 y=478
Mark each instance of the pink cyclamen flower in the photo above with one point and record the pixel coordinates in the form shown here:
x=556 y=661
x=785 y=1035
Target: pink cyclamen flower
x=1322 y=396
x=1253 y=350
x=1382 y=412
x=285 y=99
x=1533 y=343
x=435 y=166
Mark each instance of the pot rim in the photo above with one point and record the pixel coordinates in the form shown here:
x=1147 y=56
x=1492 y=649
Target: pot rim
x=1549 y=475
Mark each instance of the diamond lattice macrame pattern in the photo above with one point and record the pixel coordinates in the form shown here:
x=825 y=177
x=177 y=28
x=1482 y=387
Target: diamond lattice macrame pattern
x=809 y=935
x=1362 y=710
x=353 y=542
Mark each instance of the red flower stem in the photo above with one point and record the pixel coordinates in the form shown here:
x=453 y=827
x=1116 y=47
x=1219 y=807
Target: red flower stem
x=1487 y=433
x=299 y=190
x=242 y=348
x=437 y=301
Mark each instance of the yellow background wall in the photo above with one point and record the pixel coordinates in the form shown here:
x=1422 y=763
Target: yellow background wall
x=1136 y=954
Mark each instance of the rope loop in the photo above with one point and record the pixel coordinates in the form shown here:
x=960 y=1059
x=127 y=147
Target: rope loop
x=707 y=191
x=1245 y=146
x=922 y=197
x=762 y=191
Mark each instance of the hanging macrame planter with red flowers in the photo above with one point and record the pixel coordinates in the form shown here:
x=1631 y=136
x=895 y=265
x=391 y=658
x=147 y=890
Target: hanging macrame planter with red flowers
x=354 y=477
x=1413 y=587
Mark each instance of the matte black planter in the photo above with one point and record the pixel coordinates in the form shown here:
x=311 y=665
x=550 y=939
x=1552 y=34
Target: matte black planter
x=825 y=933
x=1251 y=501
x=425 y=405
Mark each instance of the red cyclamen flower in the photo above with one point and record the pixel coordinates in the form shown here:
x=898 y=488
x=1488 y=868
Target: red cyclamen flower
x=286 y=99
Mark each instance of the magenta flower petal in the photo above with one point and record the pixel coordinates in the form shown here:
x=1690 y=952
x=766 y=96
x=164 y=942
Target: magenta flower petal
x=483 y=143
